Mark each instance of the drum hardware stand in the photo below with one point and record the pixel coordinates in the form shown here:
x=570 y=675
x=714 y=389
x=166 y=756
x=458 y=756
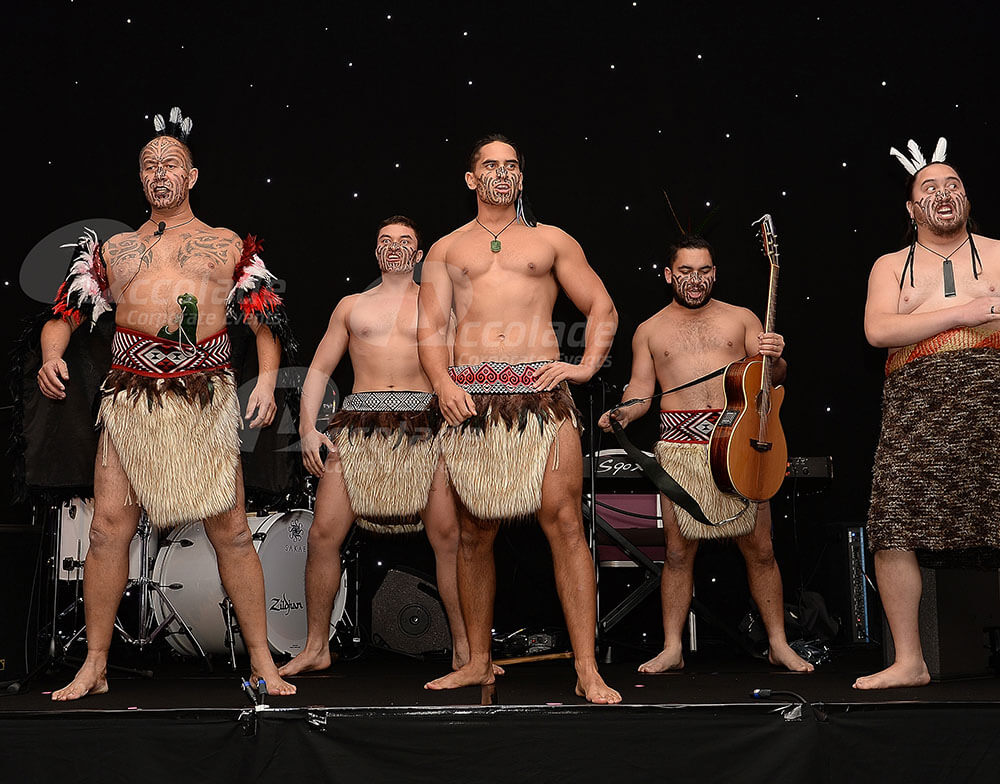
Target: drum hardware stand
x=58 y=652
x=232 y=629
x=348 y=630
x=147 y=586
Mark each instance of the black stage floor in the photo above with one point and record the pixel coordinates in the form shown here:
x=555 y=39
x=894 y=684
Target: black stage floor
x=371 y=720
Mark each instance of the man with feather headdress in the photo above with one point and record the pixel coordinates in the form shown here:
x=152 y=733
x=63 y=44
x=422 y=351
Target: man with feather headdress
x=169 y=411
x=936 y=484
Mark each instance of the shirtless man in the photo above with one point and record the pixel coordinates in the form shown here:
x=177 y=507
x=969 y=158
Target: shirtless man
x=689 y=338
x=169 y=409
x=512 y=445
x=936 y=482
x=370 y=474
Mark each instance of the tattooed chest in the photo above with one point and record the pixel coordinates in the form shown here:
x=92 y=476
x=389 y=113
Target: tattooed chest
x=198 y=256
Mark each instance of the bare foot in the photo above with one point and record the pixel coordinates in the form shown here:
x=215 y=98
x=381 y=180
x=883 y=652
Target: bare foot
x=591 y=686
x=90 y=679
x=784 y=656
x=307 y=661
x=472 y=674
x=460 y=658
x=896 y=676
x=667 y=659
x=275 y=685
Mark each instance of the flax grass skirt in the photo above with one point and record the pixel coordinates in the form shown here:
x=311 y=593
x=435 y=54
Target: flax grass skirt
x=388 y=460
x=936 y=484
x=178 y=442
x=689 y=465
x=497 y=459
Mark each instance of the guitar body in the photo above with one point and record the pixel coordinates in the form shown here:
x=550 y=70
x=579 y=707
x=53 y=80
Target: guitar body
x=741 y=461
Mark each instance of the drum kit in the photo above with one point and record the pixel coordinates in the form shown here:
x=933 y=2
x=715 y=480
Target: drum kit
x=179 y=592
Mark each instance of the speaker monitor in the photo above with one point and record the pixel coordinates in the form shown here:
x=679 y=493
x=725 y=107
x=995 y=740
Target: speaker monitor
x=407 y=615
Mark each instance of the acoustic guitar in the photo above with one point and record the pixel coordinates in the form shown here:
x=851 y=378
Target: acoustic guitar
x=747 y=451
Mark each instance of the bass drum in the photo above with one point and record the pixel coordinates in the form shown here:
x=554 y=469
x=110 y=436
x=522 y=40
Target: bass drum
x=187 y=570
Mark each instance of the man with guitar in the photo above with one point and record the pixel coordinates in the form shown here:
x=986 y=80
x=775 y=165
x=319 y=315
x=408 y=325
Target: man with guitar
x=689 y=338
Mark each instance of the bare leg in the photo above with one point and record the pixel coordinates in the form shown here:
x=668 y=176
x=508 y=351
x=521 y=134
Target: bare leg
x=243 y=579
x=106 y=572
x=441 y=523
x=900 y=587
x=332 y=520
x=561 y=520
x=765 y=587
x=477 y=587
x=676 y=588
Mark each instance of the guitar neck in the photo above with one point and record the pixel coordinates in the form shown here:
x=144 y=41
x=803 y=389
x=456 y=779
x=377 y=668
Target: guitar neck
x=772 y=301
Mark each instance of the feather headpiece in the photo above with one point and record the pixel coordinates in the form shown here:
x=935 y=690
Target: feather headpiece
x=916 y=161
x=178 y=126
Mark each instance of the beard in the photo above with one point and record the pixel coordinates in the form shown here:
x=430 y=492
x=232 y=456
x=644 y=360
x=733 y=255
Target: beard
x=681 y=290
x=405 y=262
x=926 y=213
x=486 y=189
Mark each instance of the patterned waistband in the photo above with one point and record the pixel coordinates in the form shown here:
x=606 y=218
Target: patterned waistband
x=146 y=355
x=688 y=427
x=388 y=400
x=497 y=378
x=954 y=339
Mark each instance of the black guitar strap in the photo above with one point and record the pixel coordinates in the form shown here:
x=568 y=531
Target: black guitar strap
x=663 y=481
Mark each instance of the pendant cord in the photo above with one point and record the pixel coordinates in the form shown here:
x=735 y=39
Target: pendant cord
x=497 y=235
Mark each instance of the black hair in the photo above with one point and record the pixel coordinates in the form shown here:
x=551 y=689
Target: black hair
x=692 y=242
x=400 y=220
x=493 y=137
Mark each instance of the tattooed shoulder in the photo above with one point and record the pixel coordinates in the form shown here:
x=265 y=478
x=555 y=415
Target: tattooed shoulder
x=125 y=248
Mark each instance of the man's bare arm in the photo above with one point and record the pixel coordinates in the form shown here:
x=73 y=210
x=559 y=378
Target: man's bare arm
x=53 y=372
x=434 y=313
x=328 y=354
x=261 y=406
x=886 y=327
x=585 y=290
x=642 y=382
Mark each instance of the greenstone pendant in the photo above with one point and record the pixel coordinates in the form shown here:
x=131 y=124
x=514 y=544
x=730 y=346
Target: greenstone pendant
x=495 y=246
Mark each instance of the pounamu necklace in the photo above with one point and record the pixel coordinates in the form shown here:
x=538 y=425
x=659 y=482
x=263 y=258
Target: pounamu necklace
x=495 y=242
x=948 y=269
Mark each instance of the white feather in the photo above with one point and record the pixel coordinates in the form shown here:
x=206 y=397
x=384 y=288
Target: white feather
x=918 y=157
x=186 y=126
x=176 y=115
x=907 y=164
x=158 y=124
x=253 y=272
x=940 y=151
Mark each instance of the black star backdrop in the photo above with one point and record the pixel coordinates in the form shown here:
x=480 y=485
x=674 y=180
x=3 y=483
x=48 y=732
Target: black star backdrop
x=312 y=121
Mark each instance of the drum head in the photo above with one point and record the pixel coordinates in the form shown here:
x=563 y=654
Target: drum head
x=282 y=542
